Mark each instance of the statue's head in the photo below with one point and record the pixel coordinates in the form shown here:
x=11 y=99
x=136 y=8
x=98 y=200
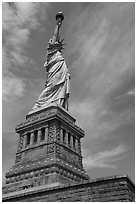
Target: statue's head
x=58 y=45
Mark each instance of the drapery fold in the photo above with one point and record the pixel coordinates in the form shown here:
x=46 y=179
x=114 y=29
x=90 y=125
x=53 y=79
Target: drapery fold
x=57 y=86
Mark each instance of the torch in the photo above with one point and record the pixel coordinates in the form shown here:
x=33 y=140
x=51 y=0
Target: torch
x=59 y=18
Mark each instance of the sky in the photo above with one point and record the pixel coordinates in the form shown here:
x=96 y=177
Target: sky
x=100 y=55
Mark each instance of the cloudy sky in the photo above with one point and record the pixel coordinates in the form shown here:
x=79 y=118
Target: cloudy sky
x=99 y=53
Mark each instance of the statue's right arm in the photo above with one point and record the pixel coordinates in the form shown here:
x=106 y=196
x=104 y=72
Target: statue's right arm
x=55 y=38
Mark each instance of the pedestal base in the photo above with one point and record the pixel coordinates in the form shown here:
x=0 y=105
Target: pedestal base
x=49 y=151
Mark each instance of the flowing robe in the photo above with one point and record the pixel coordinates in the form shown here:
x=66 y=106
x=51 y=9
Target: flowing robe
x=57 y=86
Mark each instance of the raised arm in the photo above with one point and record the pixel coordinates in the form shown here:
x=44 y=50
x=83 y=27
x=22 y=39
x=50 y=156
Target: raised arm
x=55 y=38
x=59 y=19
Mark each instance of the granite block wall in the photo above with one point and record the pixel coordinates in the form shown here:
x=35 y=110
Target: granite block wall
x=109 y=189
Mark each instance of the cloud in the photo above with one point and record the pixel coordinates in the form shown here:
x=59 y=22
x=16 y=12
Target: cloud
x=104 y=45
x=131 y=92
x=102 y=73
x=12 y=86
x=32 y=13
x=102 y=66
x=19 y=19
x=105 y=159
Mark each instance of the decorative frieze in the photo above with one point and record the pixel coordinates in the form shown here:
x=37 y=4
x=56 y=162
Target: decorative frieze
x=50 y=148
x=18 y=158
x=58 y=149
x=20 y=144
x=51 y=132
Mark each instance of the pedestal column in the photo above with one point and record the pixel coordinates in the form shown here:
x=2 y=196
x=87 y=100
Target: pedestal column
x=31 y=138
x=46 y=134
x=61 y=135
x=71 y=141
x=76 y=145
x=24 y=141
x=66 y=138
x=39 y=136
x=74 y=142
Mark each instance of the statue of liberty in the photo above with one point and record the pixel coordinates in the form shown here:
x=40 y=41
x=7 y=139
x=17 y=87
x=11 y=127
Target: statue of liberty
x=57 y=88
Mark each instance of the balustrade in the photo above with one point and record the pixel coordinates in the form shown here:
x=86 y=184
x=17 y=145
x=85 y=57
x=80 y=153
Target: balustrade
x=41 y=134
x=35 y=137
x=69 y=139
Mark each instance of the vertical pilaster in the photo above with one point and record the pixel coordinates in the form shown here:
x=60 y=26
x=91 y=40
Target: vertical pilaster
x=24 y=140
x=51 y=132
x=66 y=138
x=71 y=141
x=79 y=146
x=31 y=137
x=39 y=136
x=76 y=144
x=61 y=135
x=46 y=134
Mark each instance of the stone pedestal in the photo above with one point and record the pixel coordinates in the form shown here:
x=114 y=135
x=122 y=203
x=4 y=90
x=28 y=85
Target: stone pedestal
x=49 y=151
